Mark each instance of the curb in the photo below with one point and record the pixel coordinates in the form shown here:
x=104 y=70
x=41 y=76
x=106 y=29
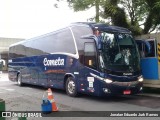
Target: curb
x=149 y=95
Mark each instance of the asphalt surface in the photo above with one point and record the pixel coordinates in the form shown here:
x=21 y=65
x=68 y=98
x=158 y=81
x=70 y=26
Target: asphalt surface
x=29 y=98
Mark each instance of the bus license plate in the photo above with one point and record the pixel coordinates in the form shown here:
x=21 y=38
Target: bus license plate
x=126 y=92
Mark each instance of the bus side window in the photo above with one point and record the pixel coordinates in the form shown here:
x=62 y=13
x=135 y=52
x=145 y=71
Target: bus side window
x=90 y=55
x=153 y=52
x=147 y=50
x=141 y=49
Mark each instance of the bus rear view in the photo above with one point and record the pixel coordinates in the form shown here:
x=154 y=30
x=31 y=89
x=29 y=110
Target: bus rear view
x=89 y=58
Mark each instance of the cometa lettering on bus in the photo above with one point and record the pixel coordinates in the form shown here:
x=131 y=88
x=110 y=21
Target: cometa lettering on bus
x=53 y=62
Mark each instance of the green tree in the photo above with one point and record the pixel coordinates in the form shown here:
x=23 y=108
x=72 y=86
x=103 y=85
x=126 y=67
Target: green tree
x=81 y=5
x=118 y=16
x=153 y=19
x=140 y=16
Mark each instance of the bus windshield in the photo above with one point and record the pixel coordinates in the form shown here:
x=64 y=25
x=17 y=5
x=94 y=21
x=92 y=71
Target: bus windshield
x=119 y=52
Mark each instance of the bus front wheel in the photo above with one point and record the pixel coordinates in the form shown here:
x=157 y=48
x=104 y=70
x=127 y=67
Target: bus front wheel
x=19 y=80
x=71 y=87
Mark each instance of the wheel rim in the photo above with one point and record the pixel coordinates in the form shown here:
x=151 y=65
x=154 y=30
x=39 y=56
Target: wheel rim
x=71 y=87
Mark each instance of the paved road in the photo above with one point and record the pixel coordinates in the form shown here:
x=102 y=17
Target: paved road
x=29 y=98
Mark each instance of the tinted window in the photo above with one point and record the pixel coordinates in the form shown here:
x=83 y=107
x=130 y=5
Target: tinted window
x=31 y=48
x=20 y=50
x=143 y=49
x=80 y=31
x=153 y=49
x=61 y=41
x=90 y=55
x=17 y=51
x=11 y=52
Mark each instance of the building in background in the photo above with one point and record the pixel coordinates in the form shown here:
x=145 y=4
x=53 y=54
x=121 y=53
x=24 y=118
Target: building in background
x=4 y=47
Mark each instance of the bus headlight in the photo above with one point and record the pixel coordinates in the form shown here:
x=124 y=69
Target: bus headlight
x=108 y=80
x=140 y=79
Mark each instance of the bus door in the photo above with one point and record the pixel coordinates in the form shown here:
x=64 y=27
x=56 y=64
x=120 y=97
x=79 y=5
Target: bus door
x=149 y=61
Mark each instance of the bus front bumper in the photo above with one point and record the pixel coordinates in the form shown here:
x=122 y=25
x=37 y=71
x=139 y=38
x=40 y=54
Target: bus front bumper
x=123 y=88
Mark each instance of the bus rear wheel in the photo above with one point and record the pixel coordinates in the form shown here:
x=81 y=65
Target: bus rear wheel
x=19 y=80
x=71 y=87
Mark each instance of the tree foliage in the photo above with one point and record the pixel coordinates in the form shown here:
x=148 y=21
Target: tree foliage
x=153 y=19
x=81 y=5
x=140 y=16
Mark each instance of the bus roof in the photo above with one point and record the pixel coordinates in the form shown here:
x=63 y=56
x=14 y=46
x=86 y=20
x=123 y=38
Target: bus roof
x=92 y=25
x=104 y=27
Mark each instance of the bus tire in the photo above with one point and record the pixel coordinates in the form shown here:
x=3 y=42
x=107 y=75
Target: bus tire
x=71 y=87
x=19 y=80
